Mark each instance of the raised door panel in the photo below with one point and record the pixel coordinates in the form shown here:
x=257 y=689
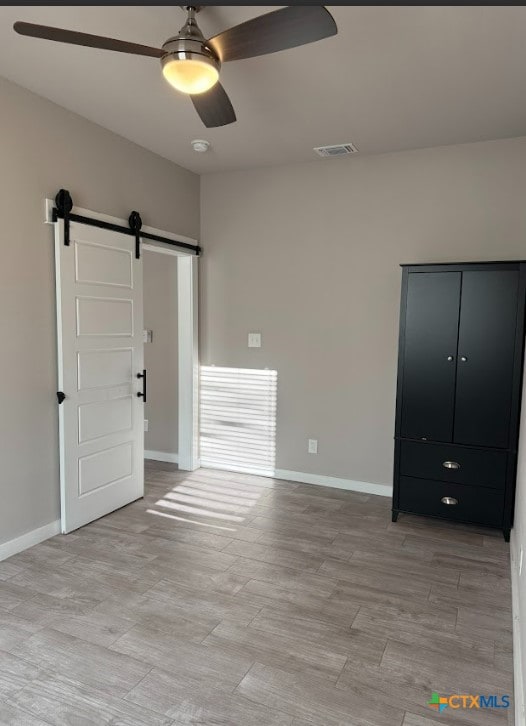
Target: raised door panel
x=104 y=317
x=98 y=264
x=104 y=418
x=430 y=346
x=486 y=350
x=104 y=467
x=104 y=368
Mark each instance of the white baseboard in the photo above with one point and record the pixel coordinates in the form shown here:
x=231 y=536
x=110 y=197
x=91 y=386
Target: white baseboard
x=520 y=693
x=161 y=456
x=238 y=469
x=384 y=490
x=29 y=539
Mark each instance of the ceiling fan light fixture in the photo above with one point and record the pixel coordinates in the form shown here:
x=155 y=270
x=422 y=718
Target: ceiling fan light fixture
x=190 y=73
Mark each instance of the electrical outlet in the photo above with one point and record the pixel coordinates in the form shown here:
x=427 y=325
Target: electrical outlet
x=146 y=424
x=313 y=446
x=254 y=340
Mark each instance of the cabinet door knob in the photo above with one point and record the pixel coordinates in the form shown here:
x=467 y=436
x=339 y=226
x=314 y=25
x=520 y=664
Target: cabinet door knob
x=451 y=465
x=450 y=357
x=463 y=358
x=449 y=500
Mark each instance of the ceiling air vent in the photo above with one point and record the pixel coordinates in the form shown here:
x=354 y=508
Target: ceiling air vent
x=336 y=150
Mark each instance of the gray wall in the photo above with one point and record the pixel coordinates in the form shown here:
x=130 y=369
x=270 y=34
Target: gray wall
x=160 y=356
x=42 y=148
x=309 y=255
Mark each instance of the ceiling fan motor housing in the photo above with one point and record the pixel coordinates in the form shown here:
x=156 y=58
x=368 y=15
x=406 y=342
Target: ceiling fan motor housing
x=189 y=44
x=188 y=49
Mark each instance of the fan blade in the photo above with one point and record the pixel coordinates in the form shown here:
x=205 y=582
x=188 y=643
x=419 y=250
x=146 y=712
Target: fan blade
x=278 y=30
x=86 y=39
x=214 y=107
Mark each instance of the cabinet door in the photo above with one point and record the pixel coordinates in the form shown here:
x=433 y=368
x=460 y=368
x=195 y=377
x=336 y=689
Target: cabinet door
x=488 y=318
x=430 y=349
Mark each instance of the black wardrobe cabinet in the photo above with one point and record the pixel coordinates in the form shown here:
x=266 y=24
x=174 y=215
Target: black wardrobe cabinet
x=459 y=390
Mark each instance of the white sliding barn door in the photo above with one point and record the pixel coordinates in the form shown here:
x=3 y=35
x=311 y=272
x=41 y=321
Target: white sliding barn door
x=100 y=353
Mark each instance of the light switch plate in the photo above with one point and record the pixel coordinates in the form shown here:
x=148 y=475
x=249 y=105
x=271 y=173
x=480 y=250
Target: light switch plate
x=313 y=446
x=147 y=336
x=146 y=422
x=254 y=340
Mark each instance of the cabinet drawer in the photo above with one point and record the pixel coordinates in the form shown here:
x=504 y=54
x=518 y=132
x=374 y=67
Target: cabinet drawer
x=475 y=467
x=468 y=504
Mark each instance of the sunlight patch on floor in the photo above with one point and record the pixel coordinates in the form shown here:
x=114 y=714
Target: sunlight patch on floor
x=191 y=521
x=229 y=501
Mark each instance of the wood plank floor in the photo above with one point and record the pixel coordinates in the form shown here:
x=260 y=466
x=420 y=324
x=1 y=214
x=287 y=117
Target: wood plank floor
x=228 y=599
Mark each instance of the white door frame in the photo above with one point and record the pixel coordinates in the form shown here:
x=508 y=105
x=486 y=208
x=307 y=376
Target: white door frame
x=187 y=327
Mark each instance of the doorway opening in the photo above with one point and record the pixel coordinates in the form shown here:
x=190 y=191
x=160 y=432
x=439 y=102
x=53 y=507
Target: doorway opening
x=161 y=357
x=170 y=337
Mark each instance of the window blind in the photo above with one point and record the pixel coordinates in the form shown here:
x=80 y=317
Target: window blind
x=238 y=419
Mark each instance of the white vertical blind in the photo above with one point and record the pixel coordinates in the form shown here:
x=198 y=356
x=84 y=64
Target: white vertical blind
x=238 y=419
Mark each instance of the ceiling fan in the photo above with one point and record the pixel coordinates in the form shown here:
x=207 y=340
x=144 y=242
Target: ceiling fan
x=191 y=63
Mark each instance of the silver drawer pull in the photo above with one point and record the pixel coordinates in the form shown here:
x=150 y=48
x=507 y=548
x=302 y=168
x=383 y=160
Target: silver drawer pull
x=449 y=500
x=451 y=465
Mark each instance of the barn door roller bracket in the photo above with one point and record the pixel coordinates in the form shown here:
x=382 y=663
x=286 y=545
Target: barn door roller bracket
x=64 y=204
x=135 y=222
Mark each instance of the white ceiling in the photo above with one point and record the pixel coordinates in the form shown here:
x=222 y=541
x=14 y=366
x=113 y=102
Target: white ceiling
x=393 y=78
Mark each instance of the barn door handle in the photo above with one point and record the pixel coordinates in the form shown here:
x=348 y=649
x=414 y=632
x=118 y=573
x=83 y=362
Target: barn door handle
x=61 y=397
x=142 y=394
